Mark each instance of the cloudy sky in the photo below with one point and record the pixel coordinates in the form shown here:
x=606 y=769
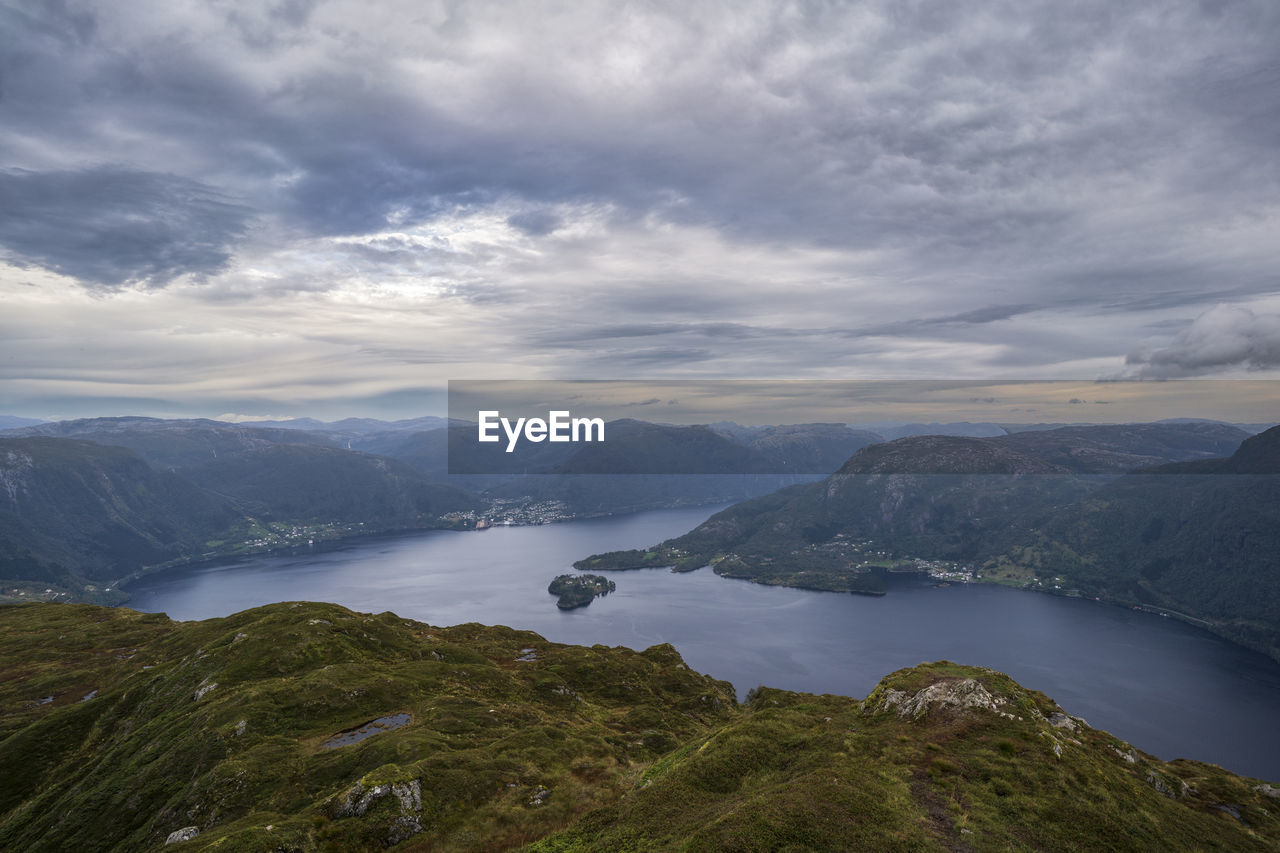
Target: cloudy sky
x=331 y=208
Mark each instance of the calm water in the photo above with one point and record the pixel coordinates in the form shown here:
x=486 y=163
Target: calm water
x=1166 y=687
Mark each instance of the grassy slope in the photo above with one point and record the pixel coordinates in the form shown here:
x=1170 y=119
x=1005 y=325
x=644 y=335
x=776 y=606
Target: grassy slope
x=145 y=757
x=583 y=748
x=802 y=772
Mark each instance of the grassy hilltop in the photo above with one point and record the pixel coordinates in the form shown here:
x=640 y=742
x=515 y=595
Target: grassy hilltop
x=310 y=727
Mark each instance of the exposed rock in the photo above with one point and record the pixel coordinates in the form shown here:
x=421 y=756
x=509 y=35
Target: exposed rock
x=410 y=796
x=958 y=695
x=185 y=834
x=204 y=689
x=1060 y=720
x=1158 y=783
x=403 y=827
x=539 y=796
x=240 y=727
x=1231 y=809
x=1264 y=788
x=358 y=799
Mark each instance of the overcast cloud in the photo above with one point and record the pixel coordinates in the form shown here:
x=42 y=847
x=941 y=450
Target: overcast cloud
x=330 y=208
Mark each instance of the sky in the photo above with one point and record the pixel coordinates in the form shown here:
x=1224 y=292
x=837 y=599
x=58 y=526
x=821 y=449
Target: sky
x=328 y=209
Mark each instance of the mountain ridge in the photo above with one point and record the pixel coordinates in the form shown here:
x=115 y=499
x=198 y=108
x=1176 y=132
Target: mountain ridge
x=307 y=726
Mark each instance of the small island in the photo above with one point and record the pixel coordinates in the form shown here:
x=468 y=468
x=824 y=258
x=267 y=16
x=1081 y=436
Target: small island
x=579 y=590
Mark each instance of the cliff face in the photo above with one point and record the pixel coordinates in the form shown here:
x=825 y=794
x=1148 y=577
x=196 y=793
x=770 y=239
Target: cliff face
x=307 y=727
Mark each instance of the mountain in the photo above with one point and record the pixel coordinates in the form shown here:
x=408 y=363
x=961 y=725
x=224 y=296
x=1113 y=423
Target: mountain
x=1193 y=537
x=816 y=448
x=15 y=422
x=640 y=465
x=72 y=510
x=1252 y=429
x=1259 y=454
x=165 y=490
x=78 y=516
x=631 y=447
x=941 y=454
x=172 y=444
x=890 y=430
x=281 y=474
x=355 y=426
x=309 y=727
x=639 y=447
x=1199 y=539
x=1116 y=448
x=926 y=497
x=327 y=485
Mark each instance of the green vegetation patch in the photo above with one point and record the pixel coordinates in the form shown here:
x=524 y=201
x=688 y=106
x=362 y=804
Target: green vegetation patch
x=579 y=590
x=119 y=728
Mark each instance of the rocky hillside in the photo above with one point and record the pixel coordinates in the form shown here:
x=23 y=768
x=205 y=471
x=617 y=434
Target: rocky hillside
x=310 y=727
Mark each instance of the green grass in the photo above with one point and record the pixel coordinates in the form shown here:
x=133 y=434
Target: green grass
x=577 y=749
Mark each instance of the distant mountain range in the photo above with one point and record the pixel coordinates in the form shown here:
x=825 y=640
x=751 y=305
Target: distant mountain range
x=355 y=425
x=87 y=504
x=13 y=422
x=891 y=430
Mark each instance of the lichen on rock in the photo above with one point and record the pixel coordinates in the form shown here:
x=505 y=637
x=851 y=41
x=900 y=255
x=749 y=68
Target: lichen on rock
x=952 y=694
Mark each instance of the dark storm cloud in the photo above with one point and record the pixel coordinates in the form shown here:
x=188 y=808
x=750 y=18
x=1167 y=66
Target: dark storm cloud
x=115 y=226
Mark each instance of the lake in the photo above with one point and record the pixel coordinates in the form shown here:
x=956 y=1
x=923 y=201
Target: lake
x=1168 y=688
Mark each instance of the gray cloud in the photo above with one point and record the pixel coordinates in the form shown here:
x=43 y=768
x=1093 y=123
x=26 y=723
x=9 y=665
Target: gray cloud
x=924 y=189
x=1223 y=337
x=535 y=223
x=115 y=226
